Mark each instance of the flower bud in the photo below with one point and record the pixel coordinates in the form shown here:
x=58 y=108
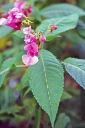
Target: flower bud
x=52 y=27
x=30 y=9
x=42 y=39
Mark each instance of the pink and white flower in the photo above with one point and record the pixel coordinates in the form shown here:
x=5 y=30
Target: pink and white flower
x=30 y=38
x=20 y=4
x=27 y=30
x=15 y=16
x=3 y=21
x=28 y=60
x=31 y=47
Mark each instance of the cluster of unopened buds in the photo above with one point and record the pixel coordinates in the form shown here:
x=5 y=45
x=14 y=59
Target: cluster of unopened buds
x=34 y=41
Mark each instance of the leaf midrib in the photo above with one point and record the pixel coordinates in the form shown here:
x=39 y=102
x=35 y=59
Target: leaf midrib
x=55 y=11
x=47 y=86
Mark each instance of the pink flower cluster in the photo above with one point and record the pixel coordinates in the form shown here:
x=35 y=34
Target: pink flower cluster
x=15 y=16
x=31 y=47
x=31 y=41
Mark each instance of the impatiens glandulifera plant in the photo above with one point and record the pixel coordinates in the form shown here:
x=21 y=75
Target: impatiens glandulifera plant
x=45 y=71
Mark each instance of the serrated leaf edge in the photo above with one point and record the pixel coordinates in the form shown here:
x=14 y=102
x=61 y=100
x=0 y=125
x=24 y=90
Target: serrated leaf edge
x=70 y=73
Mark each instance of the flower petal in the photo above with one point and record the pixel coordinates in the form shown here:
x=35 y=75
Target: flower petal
x=3 y=21
x=19 y=15
x=27 y=30
x=26 y=47
x=20 y=4
x=28 y=60
x=34 y=60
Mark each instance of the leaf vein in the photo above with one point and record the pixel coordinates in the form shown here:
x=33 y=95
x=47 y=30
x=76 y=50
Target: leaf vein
x=48 y=92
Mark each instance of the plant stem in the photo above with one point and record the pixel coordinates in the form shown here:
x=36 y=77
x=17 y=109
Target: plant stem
x=17 y=66
x=82 y=100
x=27 y=91
x=6 y=98
x=38 y=118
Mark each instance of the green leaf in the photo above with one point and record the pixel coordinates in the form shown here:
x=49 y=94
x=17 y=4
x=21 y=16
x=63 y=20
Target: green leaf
x=32 y=2
x=7 y=6
x=38 y=16
x=60 y=10
x=9 y=52
x=5 y=69
x=49 y=38
x=63 y=121
x=5 y=30
x=0 y=60
x=11 y=109
x=81 y=3
x=25 y=80
x=81 y=28
x=76 y=68
x=19 y=34
x=75 y=38
x=6 y=99
x=66 y=96
x=18 y=56
x=46 y=81
x=64 y=24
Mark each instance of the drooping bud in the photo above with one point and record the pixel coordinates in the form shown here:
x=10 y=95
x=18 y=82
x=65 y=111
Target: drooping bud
x=42 y=39
x=52 y=27
x=30 y=9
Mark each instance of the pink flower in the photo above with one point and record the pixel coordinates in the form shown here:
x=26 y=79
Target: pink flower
x=13 y=20
x=27 y=30
x=30 y=9
x=27 y=39
x=28 y=60
x=20 y=4
x=13 y=12
x=3 y=21
x=19 y=15
x=5 y=15
x=14 y=25
x=15 y=16
x=42 y=39
x=30 y=38
x=32 y=49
